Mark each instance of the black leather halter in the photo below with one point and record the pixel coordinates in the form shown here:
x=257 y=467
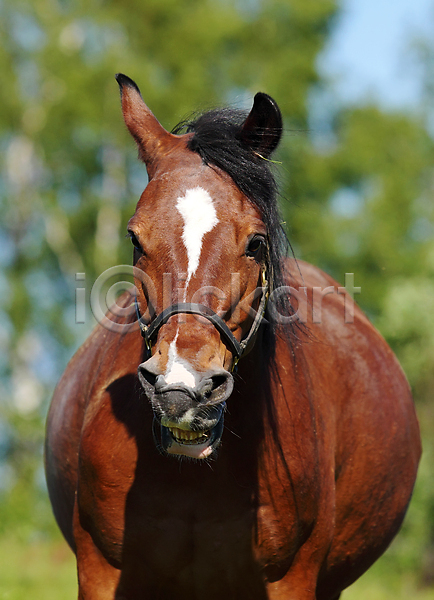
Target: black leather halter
x=150 y=331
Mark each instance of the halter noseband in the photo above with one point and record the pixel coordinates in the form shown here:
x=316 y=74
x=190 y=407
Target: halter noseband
x=150 y=331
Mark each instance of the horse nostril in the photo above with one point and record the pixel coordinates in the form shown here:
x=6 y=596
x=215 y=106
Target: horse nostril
x=218 y=380
x=214 y=387
x=146 y=376
x=217 y=387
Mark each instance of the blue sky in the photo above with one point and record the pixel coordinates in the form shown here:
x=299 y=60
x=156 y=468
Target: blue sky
x=369 y=54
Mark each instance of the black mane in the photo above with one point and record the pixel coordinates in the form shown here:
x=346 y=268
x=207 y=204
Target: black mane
x=216 y=140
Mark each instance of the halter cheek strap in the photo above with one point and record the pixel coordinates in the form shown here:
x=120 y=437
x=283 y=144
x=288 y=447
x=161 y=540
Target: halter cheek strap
x=150 y=331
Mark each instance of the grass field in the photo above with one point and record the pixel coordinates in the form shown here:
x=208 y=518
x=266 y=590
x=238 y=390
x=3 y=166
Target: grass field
x=45 y=570
x=378 y=585
x=40 y=570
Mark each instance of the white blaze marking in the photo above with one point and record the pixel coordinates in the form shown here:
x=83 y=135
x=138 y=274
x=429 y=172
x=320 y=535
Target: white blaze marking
x=197 y=210
x=177 y=369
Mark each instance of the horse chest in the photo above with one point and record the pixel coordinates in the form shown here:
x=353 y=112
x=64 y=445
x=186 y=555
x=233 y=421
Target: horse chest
x=177 y=533
x=195 y=517
x=177 y=536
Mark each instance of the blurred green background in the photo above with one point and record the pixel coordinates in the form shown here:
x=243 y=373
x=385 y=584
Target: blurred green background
x=357 y=184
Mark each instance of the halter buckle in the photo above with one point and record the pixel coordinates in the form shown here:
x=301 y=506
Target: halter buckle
x=234 y=368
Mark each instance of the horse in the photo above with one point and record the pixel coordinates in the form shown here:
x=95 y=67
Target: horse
x=235 y=427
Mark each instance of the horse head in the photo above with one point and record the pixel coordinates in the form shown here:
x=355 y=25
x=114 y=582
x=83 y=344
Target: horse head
x=202 y=258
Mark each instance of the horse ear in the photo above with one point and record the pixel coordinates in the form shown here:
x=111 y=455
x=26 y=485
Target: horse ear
x=151 y=137
x=262 y=129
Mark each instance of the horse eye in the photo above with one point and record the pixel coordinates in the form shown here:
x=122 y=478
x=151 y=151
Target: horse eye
x=135 y=241
x=255 y=245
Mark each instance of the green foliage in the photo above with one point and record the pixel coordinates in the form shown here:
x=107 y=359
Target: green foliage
x=359 y=198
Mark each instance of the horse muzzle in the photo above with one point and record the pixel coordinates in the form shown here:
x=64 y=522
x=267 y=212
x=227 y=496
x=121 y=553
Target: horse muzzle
x=188 y=420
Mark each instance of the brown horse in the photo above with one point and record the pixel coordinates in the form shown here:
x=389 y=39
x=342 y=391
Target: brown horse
x=307 y=480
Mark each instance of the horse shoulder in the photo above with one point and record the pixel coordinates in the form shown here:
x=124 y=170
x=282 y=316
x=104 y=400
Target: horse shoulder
x=78 y=397
x=368 y=421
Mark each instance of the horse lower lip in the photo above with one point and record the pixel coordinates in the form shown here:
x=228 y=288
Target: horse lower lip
x=182 y=436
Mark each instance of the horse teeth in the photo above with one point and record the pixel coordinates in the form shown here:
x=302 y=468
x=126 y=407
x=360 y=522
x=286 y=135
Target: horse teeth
x=184 y=436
